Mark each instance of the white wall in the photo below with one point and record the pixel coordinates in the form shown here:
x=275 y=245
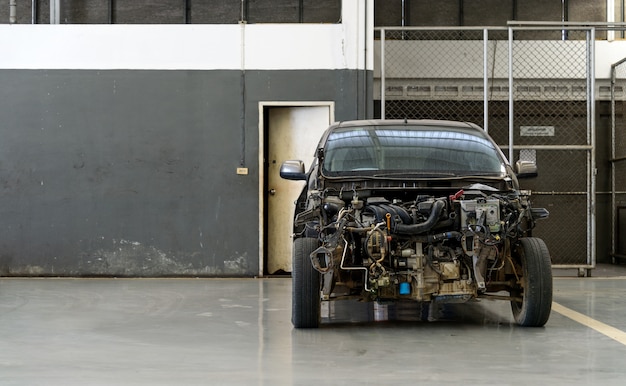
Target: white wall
x=193 y=46
x=608 y=53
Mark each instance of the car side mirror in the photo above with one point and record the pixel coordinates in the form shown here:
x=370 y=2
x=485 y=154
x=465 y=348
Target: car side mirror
x=293 y=170
x=525 y=169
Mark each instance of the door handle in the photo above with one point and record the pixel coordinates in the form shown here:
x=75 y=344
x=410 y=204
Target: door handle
x=272 y=192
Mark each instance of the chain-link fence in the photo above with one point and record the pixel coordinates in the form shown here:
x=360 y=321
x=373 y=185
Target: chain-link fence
x=533 y=96
x=618 y=161
x=552 y=125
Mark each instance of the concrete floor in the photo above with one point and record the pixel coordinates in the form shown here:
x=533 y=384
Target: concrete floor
x=238 y=332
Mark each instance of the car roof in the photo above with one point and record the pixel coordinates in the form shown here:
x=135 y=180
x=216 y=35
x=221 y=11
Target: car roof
x=398 y=122
x=409 y=122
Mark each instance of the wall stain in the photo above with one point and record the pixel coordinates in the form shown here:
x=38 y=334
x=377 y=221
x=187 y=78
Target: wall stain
x=133 y=259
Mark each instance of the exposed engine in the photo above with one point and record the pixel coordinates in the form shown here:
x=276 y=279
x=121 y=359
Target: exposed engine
x=447 y=249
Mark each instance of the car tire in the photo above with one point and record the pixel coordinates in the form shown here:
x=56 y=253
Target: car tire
x=305 y=302
x=536 y=288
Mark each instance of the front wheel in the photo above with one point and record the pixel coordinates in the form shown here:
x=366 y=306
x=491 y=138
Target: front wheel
x=535 y=287
x=305 y=302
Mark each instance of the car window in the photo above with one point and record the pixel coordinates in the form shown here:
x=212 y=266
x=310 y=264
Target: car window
x=424 y=149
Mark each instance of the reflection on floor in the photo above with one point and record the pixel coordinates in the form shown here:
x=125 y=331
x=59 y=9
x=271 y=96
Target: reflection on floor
x=352 y=311
x=238 y=332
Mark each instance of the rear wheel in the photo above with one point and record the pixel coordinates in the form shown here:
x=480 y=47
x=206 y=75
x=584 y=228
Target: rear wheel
x=535 y=287
x=305 y=303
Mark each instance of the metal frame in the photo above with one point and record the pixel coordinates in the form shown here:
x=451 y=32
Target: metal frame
x=613 y=160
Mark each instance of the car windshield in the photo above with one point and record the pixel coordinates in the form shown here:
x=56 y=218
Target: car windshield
x=415 y=150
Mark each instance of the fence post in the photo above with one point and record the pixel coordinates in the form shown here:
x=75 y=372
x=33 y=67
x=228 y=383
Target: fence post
x=613 y=153
x=591 y=78
x=485 y=79
x=382 y=73
x=511 y=112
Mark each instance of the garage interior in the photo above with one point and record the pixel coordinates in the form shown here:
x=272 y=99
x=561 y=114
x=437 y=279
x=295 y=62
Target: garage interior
x=139 y=141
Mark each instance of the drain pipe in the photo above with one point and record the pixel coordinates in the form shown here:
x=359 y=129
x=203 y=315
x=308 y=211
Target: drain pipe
x=33 y=14
x=111 y=12
x=12 y=11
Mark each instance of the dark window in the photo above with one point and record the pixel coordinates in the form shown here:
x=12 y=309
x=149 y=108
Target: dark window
x=180 y=11
x=420 y=150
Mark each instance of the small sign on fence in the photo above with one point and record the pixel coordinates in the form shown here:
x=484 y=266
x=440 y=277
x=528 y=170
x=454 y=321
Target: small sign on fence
x=536 y=131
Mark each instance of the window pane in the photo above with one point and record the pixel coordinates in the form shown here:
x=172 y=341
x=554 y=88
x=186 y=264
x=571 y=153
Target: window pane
x=410 y=149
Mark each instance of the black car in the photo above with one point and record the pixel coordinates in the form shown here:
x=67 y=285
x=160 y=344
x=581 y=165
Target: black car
x=415 y=210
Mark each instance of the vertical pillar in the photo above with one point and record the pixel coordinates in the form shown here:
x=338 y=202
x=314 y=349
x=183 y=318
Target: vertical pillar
x=610 y=18
x=12 y=11
x=55 y=11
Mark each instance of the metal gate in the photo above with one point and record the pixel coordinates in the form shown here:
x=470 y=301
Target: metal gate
x=531 y=88
x=618 y=161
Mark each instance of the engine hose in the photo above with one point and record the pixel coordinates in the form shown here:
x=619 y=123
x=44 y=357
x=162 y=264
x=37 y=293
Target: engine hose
x=415 y=229
x=444 y=224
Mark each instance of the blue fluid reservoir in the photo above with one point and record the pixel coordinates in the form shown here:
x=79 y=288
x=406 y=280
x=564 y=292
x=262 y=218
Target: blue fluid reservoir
x=405 y=288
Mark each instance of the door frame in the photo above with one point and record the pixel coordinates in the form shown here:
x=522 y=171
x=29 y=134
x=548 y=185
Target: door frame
x=263 y=105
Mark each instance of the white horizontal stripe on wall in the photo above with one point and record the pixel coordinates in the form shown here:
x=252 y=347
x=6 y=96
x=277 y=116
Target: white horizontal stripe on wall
x=175 y=47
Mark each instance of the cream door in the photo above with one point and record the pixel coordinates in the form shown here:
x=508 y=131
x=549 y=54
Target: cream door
x=293 y=133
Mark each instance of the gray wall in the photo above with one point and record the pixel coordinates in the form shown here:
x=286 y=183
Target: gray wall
x=132 y=173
